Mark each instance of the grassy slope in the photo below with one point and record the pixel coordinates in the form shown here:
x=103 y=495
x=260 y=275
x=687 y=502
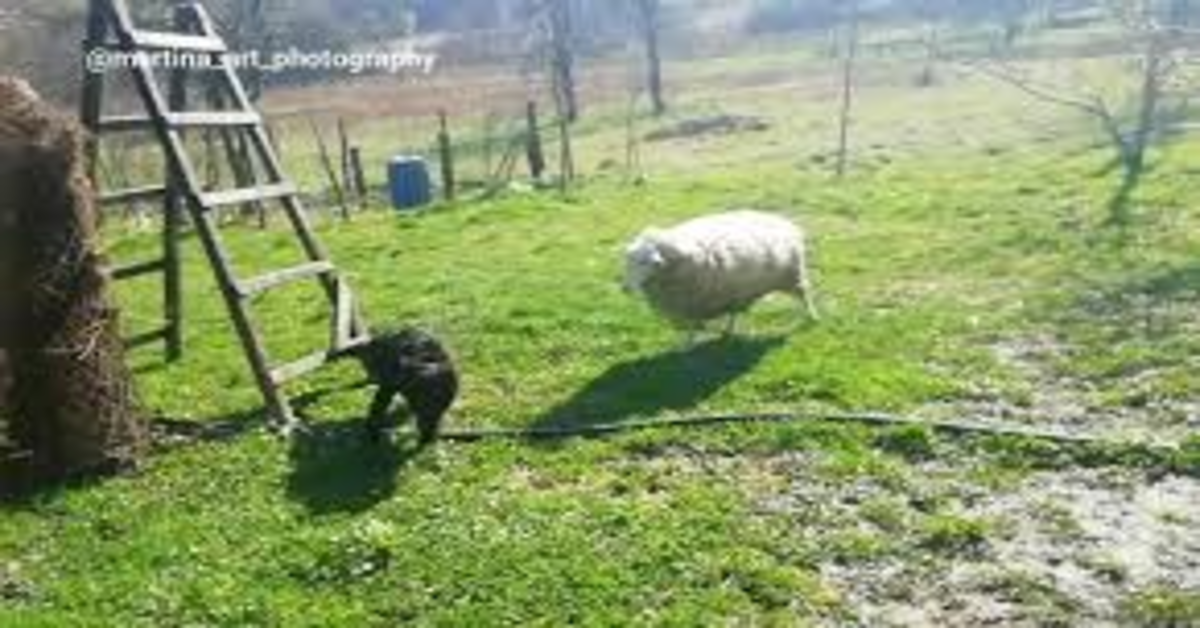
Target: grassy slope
x=922 y=263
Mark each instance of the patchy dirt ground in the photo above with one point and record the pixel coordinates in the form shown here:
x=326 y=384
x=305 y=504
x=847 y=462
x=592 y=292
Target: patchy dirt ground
x=1068 y=549
x=1074 y=548
x=956 y=542
x=723 y=124
x=1052 y=398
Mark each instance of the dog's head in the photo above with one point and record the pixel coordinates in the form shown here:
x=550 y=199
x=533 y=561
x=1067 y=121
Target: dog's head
x=408 y=353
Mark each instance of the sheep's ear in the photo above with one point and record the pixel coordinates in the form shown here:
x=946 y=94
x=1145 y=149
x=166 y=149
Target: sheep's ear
x=667 y=251
x=646 y=239
x=644 y=248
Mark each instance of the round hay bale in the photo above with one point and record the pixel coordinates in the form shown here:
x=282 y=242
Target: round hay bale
x=72 y=402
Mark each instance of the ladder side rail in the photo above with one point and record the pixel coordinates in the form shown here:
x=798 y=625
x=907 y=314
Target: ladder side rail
x=173 y=226
x=91 y=102
x=106 y=18
x=184 y=172
x=294 y=209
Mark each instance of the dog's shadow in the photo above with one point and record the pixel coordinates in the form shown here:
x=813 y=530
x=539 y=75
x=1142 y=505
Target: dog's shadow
x=675 y=381
x=337 y=468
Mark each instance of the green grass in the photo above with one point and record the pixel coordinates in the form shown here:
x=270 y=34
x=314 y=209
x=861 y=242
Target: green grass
x=1162 y=607
x=916 y=269
x=923 y=260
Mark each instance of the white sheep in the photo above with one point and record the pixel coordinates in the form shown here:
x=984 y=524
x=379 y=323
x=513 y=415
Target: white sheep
x=718 y=266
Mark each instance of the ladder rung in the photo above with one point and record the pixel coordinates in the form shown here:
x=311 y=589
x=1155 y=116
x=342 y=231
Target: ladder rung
x=299 y=368
x=213 y=118
x=270 y=281
x=134 y=195
x=120 y=124
x=148 y=338
x=123 y=124
x=247 y=195
x=354 y=343
x=129 y=271
x=175 y=41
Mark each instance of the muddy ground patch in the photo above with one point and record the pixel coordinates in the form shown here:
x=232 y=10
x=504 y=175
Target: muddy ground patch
x=935 y=546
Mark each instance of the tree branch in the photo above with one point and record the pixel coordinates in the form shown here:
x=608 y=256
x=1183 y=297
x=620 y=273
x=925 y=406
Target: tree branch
x=1004 y=73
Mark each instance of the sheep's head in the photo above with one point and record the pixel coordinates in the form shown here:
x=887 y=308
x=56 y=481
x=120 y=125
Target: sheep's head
x=642 y=259
x=648 y=255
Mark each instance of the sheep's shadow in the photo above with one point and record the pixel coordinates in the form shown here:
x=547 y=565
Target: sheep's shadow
x=673 y=381
x=336 y=468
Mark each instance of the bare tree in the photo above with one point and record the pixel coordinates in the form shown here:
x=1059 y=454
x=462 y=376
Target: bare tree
x=649 y=24
x=928 y=75
x=850 y=47
x=554 y=42
x=1130 y=129
x=250 y=32
x=1013 y=17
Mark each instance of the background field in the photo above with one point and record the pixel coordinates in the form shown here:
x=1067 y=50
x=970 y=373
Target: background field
x=965 y=269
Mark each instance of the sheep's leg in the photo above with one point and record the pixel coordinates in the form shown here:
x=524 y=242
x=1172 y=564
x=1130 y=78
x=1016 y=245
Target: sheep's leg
x=810 y=304
x=804 y=288
x=804 y=294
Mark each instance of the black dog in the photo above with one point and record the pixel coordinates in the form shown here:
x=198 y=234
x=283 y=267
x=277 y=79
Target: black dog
x=413 y=364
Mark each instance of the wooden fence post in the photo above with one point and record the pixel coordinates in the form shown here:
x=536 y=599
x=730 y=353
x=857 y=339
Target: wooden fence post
x=327 y=164
x=566 y=154
x=358 y=175
x=446 y=148
x=344 y=159
x=533 y=142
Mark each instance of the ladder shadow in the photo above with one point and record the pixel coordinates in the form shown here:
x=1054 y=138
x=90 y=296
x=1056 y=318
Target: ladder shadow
x=169 y=434
x=334 y=466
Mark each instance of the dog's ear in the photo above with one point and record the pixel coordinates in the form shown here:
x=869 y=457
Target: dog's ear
x=363 y=352
x=433 y=367
x=428 y=370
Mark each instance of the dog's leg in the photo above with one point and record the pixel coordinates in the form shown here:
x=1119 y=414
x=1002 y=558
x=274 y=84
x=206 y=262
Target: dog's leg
x=731 y=325
x=429 y=427
x=378 y=421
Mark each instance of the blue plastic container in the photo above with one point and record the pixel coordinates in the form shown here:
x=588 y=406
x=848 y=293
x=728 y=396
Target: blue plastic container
x=409 y=182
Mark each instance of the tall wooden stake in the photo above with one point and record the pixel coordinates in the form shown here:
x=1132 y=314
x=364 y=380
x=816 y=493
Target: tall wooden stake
x=359 y=174
x=848 y=69
x=327 y=163
x=446 y=147
x=348 y=183
x=566 y=153
x=533 y=142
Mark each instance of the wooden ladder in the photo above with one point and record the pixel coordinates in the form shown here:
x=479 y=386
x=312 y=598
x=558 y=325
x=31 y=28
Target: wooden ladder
x=111 y=28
